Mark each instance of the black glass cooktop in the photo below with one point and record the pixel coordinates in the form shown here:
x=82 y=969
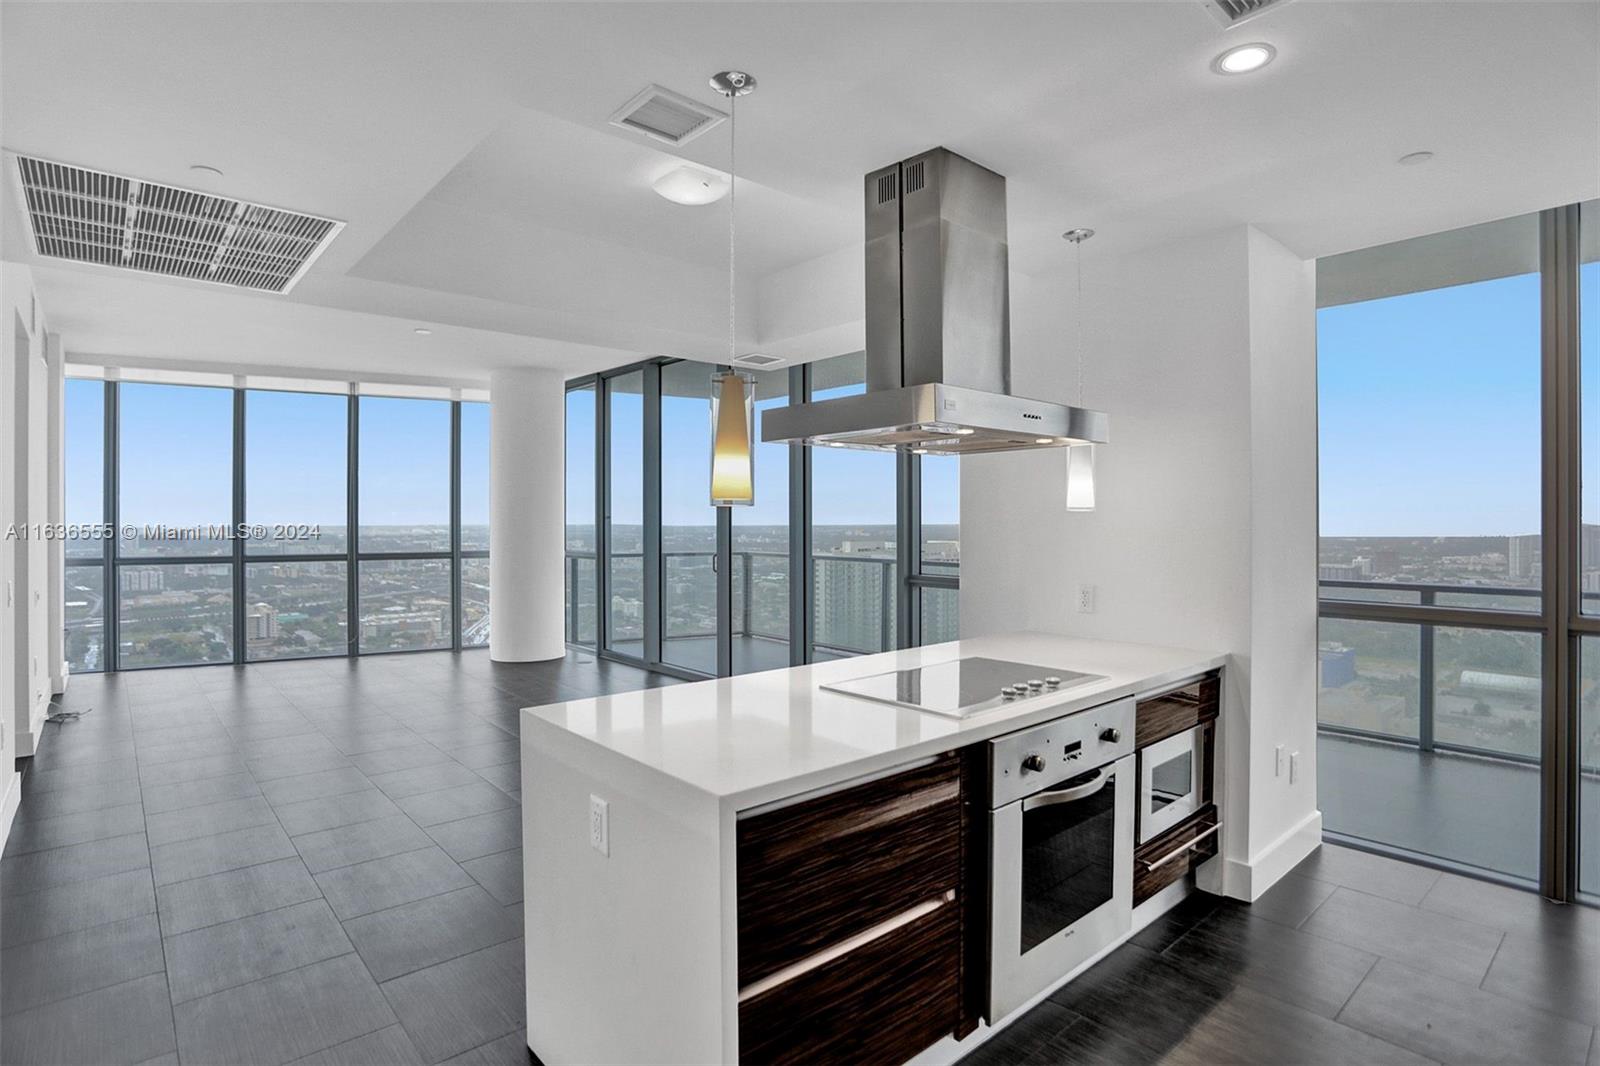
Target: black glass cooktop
x=962 y=686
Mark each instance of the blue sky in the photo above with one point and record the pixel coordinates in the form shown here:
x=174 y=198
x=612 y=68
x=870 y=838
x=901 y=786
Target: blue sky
x=1428 y=412
x=177 y=454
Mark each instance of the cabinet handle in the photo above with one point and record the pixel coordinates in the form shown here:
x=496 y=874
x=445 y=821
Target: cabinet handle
x=1181 y=849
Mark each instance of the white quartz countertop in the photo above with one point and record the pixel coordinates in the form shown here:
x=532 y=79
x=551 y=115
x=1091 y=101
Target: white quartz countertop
x=755 y=738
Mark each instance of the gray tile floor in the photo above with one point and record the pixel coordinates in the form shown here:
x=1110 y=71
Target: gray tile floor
x=1477 y=811
x=319 y=863
x=1352 y=958
x=313 y=862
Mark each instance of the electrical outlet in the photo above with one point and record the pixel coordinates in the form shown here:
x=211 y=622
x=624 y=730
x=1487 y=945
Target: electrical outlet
x=1294 y=767
x=1277 y=761
x=599 y=825
x=1086 y=599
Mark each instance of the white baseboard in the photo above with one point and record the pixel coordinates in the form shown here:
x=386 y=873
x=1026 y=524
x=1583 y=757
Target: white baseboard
x=1248 y=880
x=9 y=803
x=28 y=739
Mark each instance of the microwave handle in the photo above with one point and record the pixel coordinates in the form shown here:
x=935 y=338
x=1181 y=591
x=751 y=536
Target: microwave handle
x=1067 y=795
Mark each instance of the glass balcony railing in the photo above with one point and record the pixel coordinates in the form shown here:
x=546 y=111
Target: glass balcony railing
x=855 y=599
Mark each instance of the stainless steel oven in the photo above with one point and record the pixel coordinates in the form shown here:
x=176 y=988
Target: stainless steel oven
x=1171 y=782
x=1061 y=848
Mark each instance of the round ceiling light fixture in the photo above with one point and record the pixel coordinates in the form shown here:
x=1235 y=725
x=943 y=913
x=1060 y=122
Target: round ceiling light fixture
x=1411 y=159
x=423 y=331
x=691 y=186
x=1244 y=58
x=205 y=168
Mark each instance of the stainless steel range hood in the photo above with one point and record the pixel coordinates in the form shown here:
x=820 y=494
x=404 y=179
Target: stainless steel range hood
x=938 y=327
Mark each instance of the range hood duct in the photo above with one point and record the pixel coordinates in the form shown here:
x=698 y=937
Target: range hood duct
x=938 y=327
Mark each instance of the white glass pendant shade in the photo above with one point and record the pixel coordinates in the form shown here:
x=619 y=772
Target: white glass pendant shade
x=733 y=479
x=1080 y=477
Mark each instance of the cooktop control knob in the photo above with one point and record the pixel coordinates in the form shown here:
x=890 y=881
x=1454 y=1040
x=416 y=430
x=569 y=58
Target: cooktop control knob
x=1007 y=691
x=1053 y=682
x=1111 y=736
x=1033 y=761
x=1035 y=685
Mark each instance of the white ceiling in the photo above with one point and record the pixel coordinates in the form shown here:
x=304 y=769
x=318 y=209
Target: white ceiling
x=467 y=147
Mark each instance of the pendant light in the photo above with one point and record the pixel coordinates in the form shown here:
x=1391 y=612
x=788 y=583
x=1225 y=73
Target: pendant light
x=733 y=481
x=1080 y=457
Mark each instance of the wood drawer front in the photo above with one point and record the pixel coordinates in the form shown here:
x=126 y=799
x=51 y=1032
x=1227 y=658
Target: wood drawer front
x=1172 y=712
x=1151 y=874
x=881 y=1003
x=815 y=873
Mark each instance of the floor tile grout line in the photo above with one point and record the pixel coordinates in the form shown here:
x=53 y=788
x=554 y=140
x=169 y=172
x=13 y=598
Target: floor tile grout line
x=161 y=939
x=1372 y=966
x=1489 y=968
x=176 y=1003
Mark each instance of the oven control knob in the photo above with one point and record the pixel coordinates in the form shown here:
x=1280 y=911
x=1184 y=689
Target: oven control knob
x=1033 y=761
x=1007 y=691
x=1111 y=736
x=1035 y=685
x=1052 y=681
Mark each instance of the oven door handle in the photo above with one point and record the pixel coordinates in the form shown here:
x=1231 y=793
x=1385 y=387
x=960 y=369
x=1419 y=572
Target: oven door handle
x=1067 y=795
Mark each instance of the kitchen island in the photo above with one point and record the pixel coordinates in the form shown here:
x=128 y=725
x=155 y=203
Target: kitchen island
x=764 y=849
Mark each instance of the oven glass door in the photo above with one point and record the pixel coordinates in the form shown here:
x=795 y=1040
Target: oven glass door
x=1069 y=853
x=1061 y=881
x=1169 y=783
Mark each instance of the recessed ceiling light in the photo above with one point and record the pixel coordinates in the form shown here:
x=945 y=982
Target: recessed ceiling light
x=691 y=185
x=205 y=168
x=1044 y=440
x=835 y=444
x=1411 y=159
x=423 y=331
x=1244 y=58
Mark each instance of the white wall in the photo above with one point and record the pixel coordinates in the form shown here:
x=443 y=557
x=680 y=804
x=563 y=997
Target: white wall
x=24 y=563
x=55 y=506
x=1203 y=353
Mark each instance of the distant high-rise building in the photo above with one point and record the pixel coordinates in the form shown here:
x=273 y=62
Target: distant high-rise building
x=144 y=579
x=1523 y=555
x=261 y=623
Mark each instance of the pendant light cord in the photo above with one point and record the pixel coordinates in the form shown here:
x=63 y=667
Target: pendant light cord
x=1078 y=311
x=733 y=198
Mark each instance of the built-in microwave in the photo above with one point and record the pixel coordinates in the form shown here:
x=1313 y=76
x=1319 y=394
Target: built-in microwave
x=1171 y=781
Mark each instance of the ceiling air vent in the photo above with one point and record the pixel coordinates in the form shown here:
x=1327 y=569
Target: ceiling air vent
x=759 y=360
x=666 y=116
x=1233 y=12
x=94 y=217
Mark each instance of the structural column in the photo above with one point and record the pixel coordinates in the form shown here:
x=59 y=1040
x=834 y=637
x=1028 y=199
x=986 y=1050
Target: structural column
x=527 y=523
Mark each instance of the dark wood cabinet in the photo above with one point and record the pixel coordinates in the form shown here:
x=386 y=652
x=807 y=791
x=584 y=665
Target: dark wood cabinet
x=1185 y=707
x=1169 y=857
x=852 y=919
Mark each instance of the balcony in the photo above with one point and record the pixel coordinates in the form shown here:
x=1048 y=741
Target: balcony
x=1429 y=710
x=854 y=597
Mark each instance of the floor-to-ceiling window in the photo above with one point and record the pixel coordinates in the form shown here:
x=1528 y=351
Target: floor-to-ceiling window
x=688 y=521
x=175 y=590
x=624 y=515
x=296 y=491
x=855 y=584
x=232 y=508
x=404 y=538
x=761 y=547
x=582 y=596
x=84 y=503
x=1442 y=668
x=817 y=568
